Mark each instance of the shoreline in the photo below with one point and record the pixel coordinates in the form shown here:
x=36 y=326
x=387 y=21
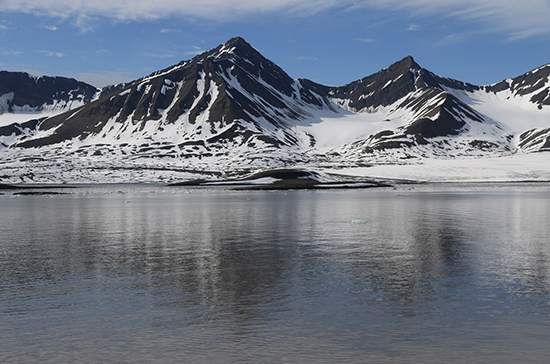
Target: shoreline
x=41 y=189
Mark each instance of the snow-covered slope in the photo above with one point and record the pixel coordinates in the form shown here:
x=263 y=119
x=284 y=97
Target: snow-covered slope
x=231 y=110
x=521 y=105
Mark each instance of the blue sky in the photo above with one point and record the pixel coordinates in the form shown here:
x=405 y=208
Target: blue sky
x=328 y=41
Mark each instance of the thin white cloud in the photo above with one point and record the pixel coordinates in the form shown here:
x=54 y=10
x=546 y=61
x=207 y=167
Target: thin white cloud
x=3 y=27
x=9 y=52
x=413 y=27
x=83 y=21
x=51 y=54
x=364 y=40
x=163 y=31
x=452 y=39
x=196 y=51
x=512 y=17
x=53 y=28
x=160 y=54
x=149 y=10
x=517 y=19
x=305 y=58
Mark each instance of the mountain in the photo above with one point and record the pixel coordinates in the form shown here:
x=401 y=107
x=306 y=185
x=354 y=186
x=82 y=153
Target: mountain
x=426 y=116
x=25 y=100
x=21 y=92
x=231 y=109
x=526 y=91
x=227 y=92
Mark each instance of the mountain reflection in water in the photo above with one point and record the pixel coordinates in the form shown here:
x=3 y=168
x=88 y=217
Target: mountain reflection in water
x=172 y=274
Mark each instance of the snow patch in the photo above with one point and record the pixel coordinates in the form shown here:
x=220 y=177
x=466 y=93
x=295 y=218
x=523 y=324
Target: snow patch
x=125 y=92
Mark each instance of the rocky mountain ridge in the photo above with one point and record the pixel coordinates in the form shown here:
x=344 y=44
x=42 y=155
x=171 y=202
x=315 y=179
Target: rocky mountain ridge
x=232 y=109
x=21 y=92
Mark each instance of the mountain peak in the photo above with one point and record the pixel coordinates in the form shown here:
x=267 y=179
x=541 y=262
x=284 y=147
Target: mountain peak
x=406 y=64
x=237 y=42
x=235 y=46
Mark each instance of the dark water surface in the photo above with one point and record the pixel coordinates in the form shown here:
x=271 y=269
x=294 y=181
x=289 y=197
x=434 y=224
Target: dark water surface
x=127 y=274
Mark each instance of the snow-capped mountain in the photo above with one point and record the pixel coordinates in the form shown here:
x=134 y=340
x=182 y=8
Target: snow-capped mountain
x=424 y=115
x=26 y=99
x=517 y=100
x=23 y=93
x=229 y=93
x=232 y=109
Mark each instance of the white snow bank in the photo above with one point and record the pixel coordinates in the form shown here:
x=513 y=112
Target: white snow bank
x=515 y=168
x=11 y=118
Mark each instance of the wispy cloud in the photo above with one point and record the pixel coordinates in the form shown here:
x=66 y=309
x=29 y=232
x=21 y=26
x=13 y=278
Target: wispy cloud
x=364 y=40
x=148 y=10
x=9 y=52
x=305 y=58
x=196 y=51
x=51 y=53
x=510 y=17
x=53 y=28
x=413 y=27
x=3 y=27
x=517 y=19
x=452 y=39
x=163 y=54
x=83 y=21
x=163 y=31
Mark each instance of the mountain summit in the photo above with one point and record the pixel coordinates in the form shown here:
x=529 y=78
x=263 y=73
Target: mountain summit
x=210 y=97
x=231 y=108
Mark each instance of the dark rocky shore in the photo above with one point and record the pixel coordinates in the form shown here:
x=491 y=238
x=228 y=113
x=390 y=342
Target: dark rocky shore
x=288 y=179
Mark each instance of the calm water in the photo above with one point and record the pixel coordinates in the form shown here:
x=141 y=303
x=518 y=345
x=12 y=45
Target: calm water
x=147 y=274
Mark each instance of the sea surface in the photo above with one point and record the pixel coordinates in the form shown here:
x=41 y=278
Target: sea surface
x=449 y=273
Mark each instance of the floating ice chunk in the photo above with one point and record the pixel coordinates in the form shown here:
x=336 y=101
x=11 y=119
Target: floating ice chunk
x=358 y=222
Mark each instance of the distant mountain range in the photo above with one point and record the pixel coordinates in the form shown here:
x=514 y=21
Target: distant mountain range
x=231 y=109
